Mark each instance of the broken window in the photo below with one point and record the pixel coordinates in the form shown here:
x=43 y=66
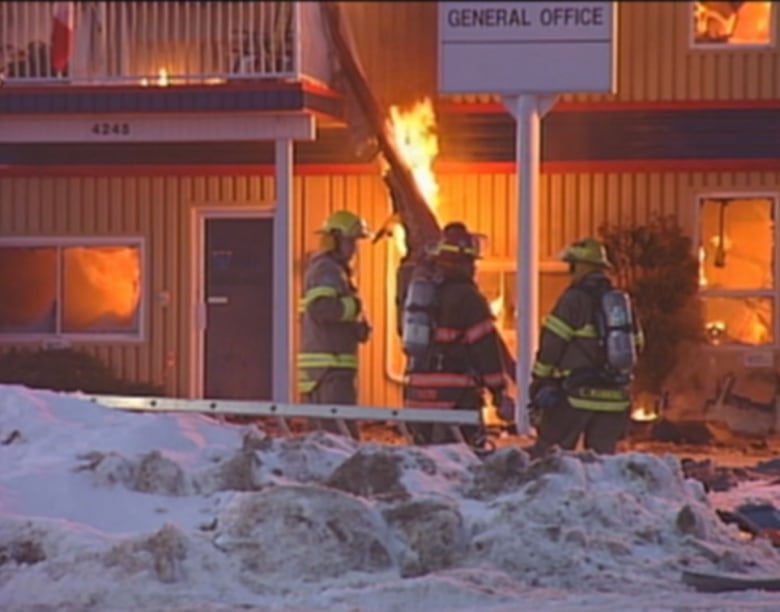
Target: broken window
x=732 y=23
x=737 y=269
x=71 y=289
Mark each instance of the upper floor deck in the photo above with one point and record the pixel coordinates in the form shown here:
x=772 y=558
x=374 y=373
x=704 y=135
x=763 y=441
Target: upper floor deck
x=160 y=43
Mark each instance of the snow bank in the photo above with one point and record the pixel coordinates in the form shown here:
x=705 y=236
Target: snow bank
x=105 y=510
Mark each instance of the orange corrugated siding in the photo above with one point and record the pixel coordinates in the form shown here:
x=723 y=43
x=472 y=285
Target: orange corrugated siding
x=159 y=208
x=398 y=47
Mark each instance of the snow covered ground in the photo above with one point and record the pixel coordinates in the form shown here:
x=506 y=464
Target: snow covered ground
x=108 y=510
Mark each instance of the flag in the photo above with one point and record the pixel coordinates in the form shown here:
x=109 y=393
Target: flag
x=62 y=35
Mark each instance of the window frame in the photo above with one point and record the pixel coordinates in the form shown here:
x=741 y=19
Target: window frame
x=694 y=46
x=59 y=337
x=772 y=293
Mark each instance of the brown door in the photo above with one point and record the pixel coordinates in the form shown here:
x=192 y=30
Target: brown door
x=239 y=261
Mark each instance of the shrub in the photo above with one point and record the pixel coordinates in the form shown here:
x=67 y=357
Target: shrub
x=67 y=370
x=657 y=265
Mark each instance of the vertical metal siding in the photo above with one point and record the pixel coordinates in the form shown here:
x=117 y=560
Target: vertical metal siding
x=397 y=47
x=655 y=61
x=159 y=208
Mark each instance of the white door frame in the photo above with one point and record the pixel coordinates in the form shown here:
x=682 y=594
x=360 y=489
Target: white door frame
x=198 y=217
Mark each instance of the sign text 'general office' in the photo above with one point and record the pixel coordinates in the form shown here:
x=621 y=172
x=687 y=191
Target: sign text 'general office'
x=519 y=18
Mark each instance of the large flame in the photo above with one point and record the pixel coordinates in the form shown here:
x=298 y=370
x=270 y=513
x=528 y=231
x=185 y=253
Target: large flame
x=749 y=23
x=413 y=132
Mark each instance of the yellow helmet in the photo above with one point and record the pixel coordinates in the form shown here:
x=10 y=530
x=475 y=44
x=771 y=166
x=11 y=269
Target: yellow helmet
x=588 y=250
x=346 y=223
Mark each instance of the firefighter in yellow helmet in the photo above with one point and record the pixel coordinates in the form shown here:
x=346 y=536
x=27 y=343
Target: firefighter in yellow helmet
x=581 y=376
x=333 y=319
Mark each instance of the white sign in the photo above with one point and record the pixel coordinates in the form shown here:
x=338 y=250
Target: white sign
x=526 y=47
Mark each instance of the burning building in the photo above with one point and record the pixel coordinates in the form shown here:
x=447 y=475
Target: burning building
x=174 y=229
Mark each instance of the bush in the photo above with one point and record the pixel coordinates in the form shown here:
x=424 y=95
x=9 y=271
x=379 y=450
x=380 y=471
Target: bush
x=657 y=265
x=67 y=370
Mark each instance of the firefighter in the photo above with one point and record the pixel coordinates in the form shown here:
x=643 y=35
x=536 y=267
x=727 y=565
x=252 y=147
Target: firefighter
x=574 y=390
x=460 y=357
x=333 y=319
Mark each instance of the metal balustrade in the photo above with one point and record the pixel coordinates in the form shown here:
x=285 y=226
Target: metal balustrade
x=149 y=43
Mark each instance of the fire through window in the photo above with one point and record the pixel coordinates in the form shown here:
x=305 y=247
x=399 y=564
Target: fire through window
x=737 y=269
x=732 y=23
x=74 y=289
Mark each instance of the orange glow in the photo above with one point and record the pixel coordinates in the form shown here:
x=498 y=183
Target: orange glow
x=28 y=278
x=643 y=414
x=414 y=134
x=497 y=305
x=702 y=274
x=102 y=287
x=720 y=22
x=753 y=23
x=162 y=79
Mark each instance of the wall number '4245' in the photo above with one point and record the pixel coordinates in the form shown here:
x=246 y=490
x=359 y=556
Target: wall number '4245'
x=107 y=129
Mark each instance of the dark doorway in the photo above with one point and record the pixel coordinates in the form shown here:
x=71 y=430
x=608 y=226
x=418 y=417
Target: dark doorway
x=239 y=298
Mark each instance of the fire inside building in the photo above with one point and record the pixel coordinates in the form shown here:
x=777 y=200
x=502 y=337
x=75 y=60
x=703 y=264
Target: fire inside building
x=164 y=168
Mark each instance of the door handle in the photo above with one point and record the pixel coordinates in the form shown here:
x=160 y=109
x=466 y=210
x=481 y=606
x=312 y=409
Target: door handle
x=217 y=299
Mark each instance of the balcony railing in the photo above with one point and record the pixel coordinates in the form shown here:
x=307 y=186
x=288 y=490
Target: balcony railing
x=148 y=43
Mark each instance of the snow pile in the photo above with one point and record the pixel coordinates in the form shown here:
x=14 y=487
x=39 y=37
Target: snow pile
x=105 y=510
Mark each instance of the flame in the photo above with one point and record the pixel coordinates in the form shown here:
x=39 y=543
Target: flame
x=102 y=287
x=749 y=24
x=497 y=305
x=702 y=275
x=753 y=23
x=413 y=133
x=644 y=414
x=162 y=79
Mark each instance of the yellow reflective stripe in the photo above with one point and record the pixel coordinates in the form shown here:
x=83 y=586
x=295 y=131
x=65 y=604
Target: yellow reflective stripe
x=350 y=308
x=600 y=405
x=457 y=249
x=315 y=293
x=587 y=331
x=307 y=386
x=327 y=360
x=558 y=326
x=541 y=369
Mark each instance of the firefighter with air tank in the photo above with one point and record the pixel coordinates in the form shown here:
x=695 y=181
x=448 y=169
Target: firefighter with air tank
x=587 y=351
x=453 y=349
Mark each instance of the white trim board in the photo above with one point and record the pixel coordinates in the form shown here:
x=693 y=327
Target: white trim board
x=156 y=127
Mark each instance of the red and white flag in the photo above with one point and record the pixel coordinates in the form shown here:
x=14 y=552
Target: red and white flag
x=62 y=35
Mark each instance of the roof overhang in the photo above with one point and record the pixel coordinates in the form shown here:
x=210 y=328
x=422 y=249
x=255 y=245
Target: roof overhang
x=246 y=111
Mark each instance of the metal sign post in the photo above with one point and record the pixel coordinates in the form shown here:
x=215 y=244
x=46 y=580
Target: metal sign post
x=528 y=52
x=527 y=111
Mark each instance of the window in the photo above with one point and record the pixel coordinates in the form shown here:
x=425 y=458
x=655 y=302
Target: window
x=737 y=269
x=732 y=24
x=90 y=289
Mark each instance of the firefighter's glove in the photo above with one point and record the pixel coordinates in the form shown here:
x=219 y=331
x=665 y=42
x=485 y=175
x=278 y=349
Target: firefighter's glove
x=548 y=397
x=506 y=408
x=363 y=330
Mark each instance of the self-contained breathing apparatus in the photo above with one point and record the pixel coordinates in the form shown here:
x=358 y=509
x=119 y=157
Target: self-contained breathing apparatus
x=616 y=328
x=613 y=315
x=418 y=324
